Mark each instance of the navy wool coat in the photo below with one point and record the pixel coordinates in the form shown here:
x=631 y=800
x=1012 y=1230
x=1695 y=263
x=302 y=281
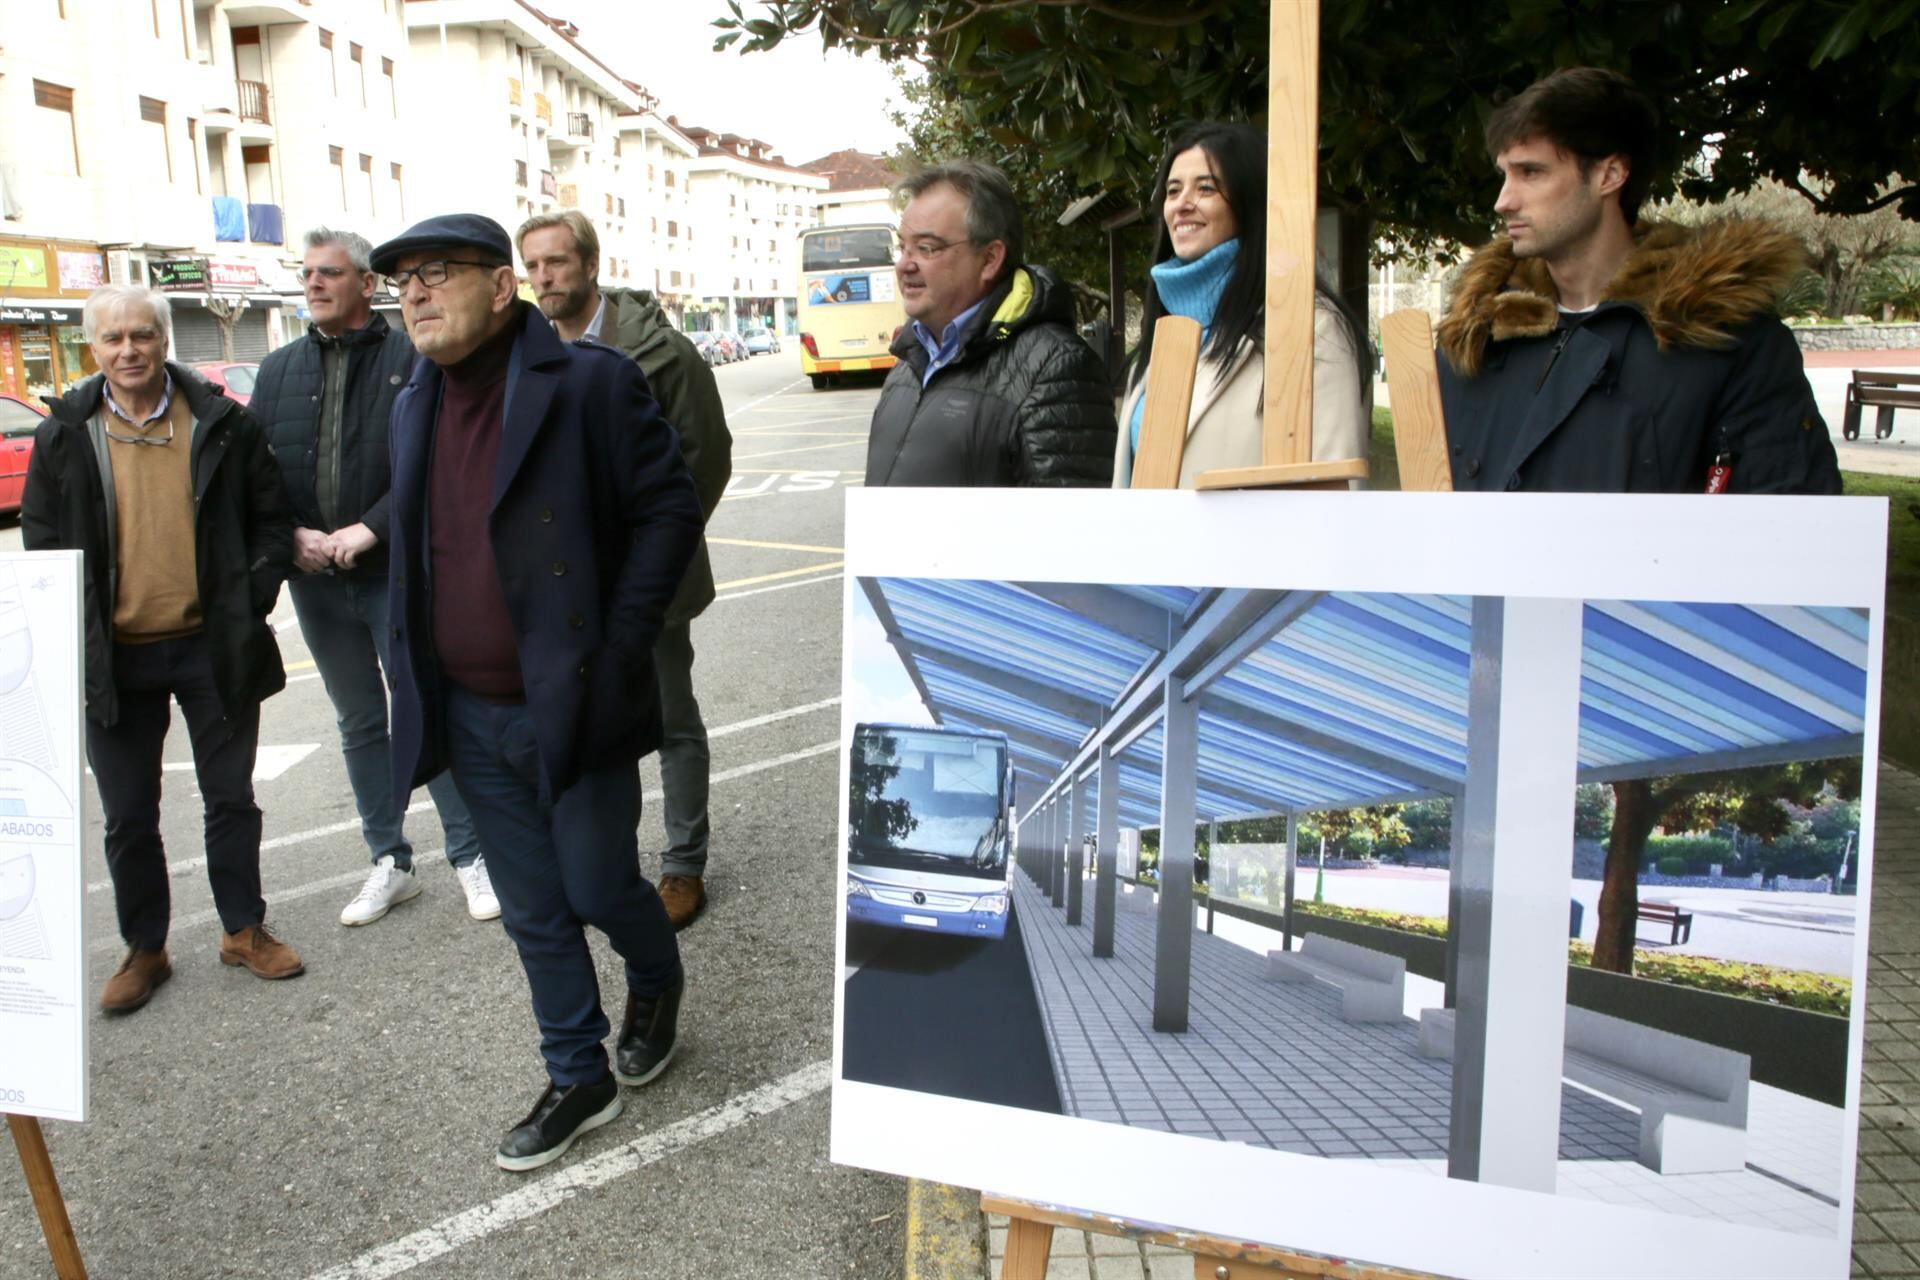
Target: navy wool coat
x=594 y=521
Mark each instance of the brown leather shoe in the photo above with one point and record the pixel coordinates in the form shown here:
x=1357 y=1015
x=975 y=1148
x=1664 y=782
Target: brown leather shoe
x=257 y=949
x=686 y=898
x=134 y=982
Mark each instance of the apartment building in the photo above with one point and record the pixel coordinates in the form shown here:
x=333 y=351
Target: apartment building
x=186 y=144
x=749 y=206
x=859 y=188
x=515 y=116
x=657 y=180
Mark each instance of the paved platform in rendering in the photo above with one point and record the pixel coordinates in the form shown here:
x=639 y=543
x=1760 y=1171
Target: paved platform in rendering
x=1274 y=1064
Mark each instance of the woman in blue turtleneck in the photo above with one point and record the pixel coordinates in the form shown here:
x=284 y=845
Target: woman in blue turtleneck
x=1209 y=265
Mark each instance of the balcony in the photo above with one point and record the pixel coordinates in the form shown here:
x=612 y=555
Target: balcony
x=269 y=13
x=513 y=94
x=580 y=125
x=549 y=185
x=542 y=109
x=520 y=174
x=254 y=102
x=568 y=195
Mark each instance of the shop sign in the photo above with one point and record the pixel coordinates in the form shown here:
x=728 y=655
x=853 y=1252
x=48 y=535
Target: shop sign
x=179 y=273
x=22 y=267
x=82 y=269
x=37 y=315
x=233 y=275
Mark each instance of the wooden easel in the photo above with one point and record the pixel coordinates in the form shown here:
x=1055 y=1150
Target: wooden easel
x=1286 y=461
x=47 y=1202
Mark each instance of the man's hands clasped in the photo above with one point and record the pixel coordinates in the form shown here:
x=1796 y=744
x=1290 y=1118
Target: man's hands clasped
x=317 y=552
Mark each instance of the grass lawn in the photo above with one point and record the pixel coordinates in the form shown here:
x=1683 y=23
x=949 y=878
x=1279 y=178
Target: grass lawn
x=1899 y=708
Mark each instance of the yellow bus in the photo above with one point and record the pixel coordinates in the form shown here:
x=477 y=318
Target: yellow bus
x=849 y=305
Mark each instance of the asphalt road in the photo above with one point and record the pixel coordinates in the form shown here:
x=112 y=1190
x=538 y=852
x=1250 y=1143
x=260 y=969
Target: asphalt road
x=948 y=1015
x=344 y=1123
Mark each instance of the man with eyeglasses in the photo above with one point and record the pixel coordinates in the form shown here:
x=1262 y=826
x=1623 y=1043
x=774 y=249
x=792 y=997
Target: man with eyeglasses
x=540 y=522
x=168 y=489
x=993 y=386
x=325 y=400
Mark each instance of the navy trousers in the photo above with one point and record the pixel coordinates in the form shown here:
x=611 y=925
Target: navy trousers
x=560 y=863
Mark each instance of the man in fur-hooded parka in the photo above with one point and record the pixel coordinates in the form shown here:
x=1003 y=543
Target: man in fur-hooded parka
x=1585 y=352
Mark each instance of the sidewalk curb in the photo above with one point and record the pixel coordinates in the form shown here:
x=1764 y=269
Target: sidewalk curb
x=946 y=1233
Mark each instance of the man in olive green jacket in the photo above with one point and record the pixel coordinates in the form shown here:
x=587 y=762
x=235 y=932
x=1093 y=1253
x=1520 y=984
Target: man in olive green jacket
x=562 y=256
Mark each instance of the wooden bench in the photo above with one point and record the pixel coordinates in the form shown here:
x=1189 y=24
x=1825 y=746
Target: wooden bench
x=1680 y=922
x=1885 y=392
x=1692 y=1096
x=1372 y=984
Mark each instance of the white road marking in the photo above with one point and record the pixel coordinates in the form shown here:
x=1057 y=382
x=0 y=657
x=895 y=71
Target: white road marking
x=186 y=865
x=775 y=395
x=268 y=762
x=779 y=586
x=549 y=1192
x=739 y=726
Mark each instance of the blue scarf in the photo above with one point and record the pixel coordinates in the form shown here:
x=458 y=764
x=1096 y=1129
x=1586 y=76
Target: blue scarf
x=1190 y=289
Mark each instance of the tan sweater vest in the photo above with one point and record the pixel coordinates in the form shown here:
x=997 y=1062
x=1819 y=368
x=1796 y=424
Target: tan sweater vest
x=159 y=596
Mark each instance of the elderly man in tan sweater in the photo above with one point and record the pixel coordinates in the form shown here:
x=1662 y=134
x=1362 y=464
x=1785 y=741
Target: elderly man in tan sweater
x=168 y=488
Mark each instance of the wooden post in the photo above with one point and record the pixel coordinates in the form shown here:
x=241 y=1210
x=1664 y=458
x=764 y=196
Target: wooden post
x=1163 y=417
x=1413 y=379
x=1293 y=192
x=54 y=1224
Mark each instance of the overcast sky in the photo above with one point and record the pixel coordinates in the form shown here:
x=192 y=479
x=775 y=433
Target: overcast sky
x=803 y=101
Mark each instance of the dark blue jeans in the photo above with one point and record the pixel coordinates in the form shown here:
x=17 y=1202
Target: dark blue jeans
x=344 y=621
x=560 y=863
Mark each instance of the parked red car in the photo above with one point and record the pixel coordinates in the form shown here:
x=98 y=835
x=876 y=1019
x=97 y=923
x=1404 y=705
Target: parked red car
x=236 y=377
x=19 y=419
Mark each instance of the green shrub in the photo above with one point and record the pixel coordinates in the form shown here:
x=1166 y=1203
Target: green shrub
x=1672 y=865
x=1794 y=988
x=1697 y=853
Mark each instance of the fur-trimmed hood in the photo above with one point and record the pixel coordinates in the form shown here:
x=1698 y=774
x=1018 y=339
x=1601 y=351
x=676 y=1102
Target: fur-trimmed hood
x=1693 y=285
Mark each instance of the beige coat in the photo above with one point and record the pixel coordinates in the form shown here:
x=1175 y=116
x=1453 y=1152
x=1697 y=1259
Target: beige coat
x=1223 y=426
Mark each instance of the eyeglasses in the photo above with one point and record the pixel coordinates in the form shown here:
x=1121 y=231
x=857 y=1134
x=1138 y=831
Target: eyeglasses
x=925 y=248
x=156 y=441
x=431 y=274
x=329 y=273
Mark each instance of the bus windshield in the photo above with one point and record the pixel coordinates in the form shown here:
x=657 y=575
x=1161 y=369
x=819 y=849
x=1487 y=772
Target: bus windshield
x=929 y=801
x=840 y=250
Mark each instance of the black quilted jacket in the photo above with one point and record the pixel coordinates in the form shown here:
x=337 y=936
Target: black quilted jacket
x=286 y=399
x=1025 y=402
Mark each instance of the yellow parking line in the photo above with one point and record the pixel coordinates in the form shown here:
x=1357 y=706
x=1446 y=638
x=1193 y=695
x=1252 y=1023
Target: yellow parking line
x=777 y=546
x=299 y=666
x=774 y=453
x=789 y=471
x=862 y=435
x=784 y=573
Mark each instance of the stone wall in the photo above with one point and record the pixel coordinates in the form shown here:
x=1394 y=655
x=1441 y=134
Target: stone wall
x=1857 y=337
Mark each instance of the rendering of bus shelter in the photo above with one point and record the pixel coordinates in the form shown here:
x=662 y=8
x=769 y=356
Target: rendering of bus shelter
x=1163 y=707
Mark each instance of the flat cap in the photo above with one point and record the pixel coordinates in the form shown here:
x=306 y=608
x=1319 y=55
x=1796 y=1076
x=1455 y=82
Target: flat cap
x=448 y=231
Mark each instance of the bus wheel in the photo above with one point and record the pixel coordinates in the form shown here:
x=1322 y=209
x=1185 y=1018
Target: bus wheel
x=819 y=381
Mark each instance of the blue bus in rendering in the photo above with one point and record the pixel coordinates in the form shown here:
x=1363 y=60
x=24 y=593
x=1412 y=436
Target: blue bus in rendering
x=927 y=820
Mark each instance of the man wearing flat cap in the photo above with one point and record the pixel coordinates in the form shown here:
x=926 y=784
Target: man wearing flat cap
x=541 y=519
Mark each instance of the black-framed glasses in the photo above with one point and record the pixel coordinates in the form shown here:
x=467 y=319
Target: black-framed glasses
x=156 y=441
x=431 y=274
x=924 y=248
x=328 y=273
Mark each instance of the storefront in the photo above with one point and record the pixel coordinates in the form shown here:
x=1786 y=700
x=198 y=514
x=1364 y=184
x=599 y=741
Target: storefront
x=221 y=310
x=43 y=286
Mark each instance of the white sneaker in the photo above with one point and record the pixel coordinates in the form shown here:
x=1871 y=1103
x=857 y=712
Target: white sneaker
x=481 y=902
x=387 y=887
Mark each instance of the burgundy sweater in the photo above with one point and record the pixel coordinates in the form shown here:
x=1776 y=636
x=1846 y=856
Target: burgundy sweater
x=472 y=630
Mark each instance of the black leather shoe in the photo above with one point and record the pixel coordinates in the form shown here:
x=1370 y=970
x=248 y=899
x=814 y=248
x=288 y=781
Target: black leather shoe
x=648 y=1036
x=562 y=1114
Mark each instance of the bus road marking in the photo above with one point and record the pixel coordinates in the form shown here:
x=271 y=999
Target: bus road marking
x=774 y=577
x=776 y=546
x=806 y=448
x=554 y=1190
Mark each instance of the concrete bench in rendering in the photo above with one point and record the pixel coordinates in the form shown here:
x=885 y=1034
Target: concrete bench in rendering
x=1372 y=984
x=1692 y=1096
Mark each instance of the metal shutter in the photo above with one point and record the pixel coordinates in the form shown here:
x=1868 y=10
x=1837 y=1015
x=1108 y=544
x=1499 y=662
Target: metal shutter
x=196 y=335
x=250 y=335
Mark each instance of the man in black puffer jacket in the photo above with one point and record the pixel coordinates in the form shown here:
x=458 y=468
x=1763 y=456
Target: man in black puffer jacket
x=325 y=400
x=993 y=387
